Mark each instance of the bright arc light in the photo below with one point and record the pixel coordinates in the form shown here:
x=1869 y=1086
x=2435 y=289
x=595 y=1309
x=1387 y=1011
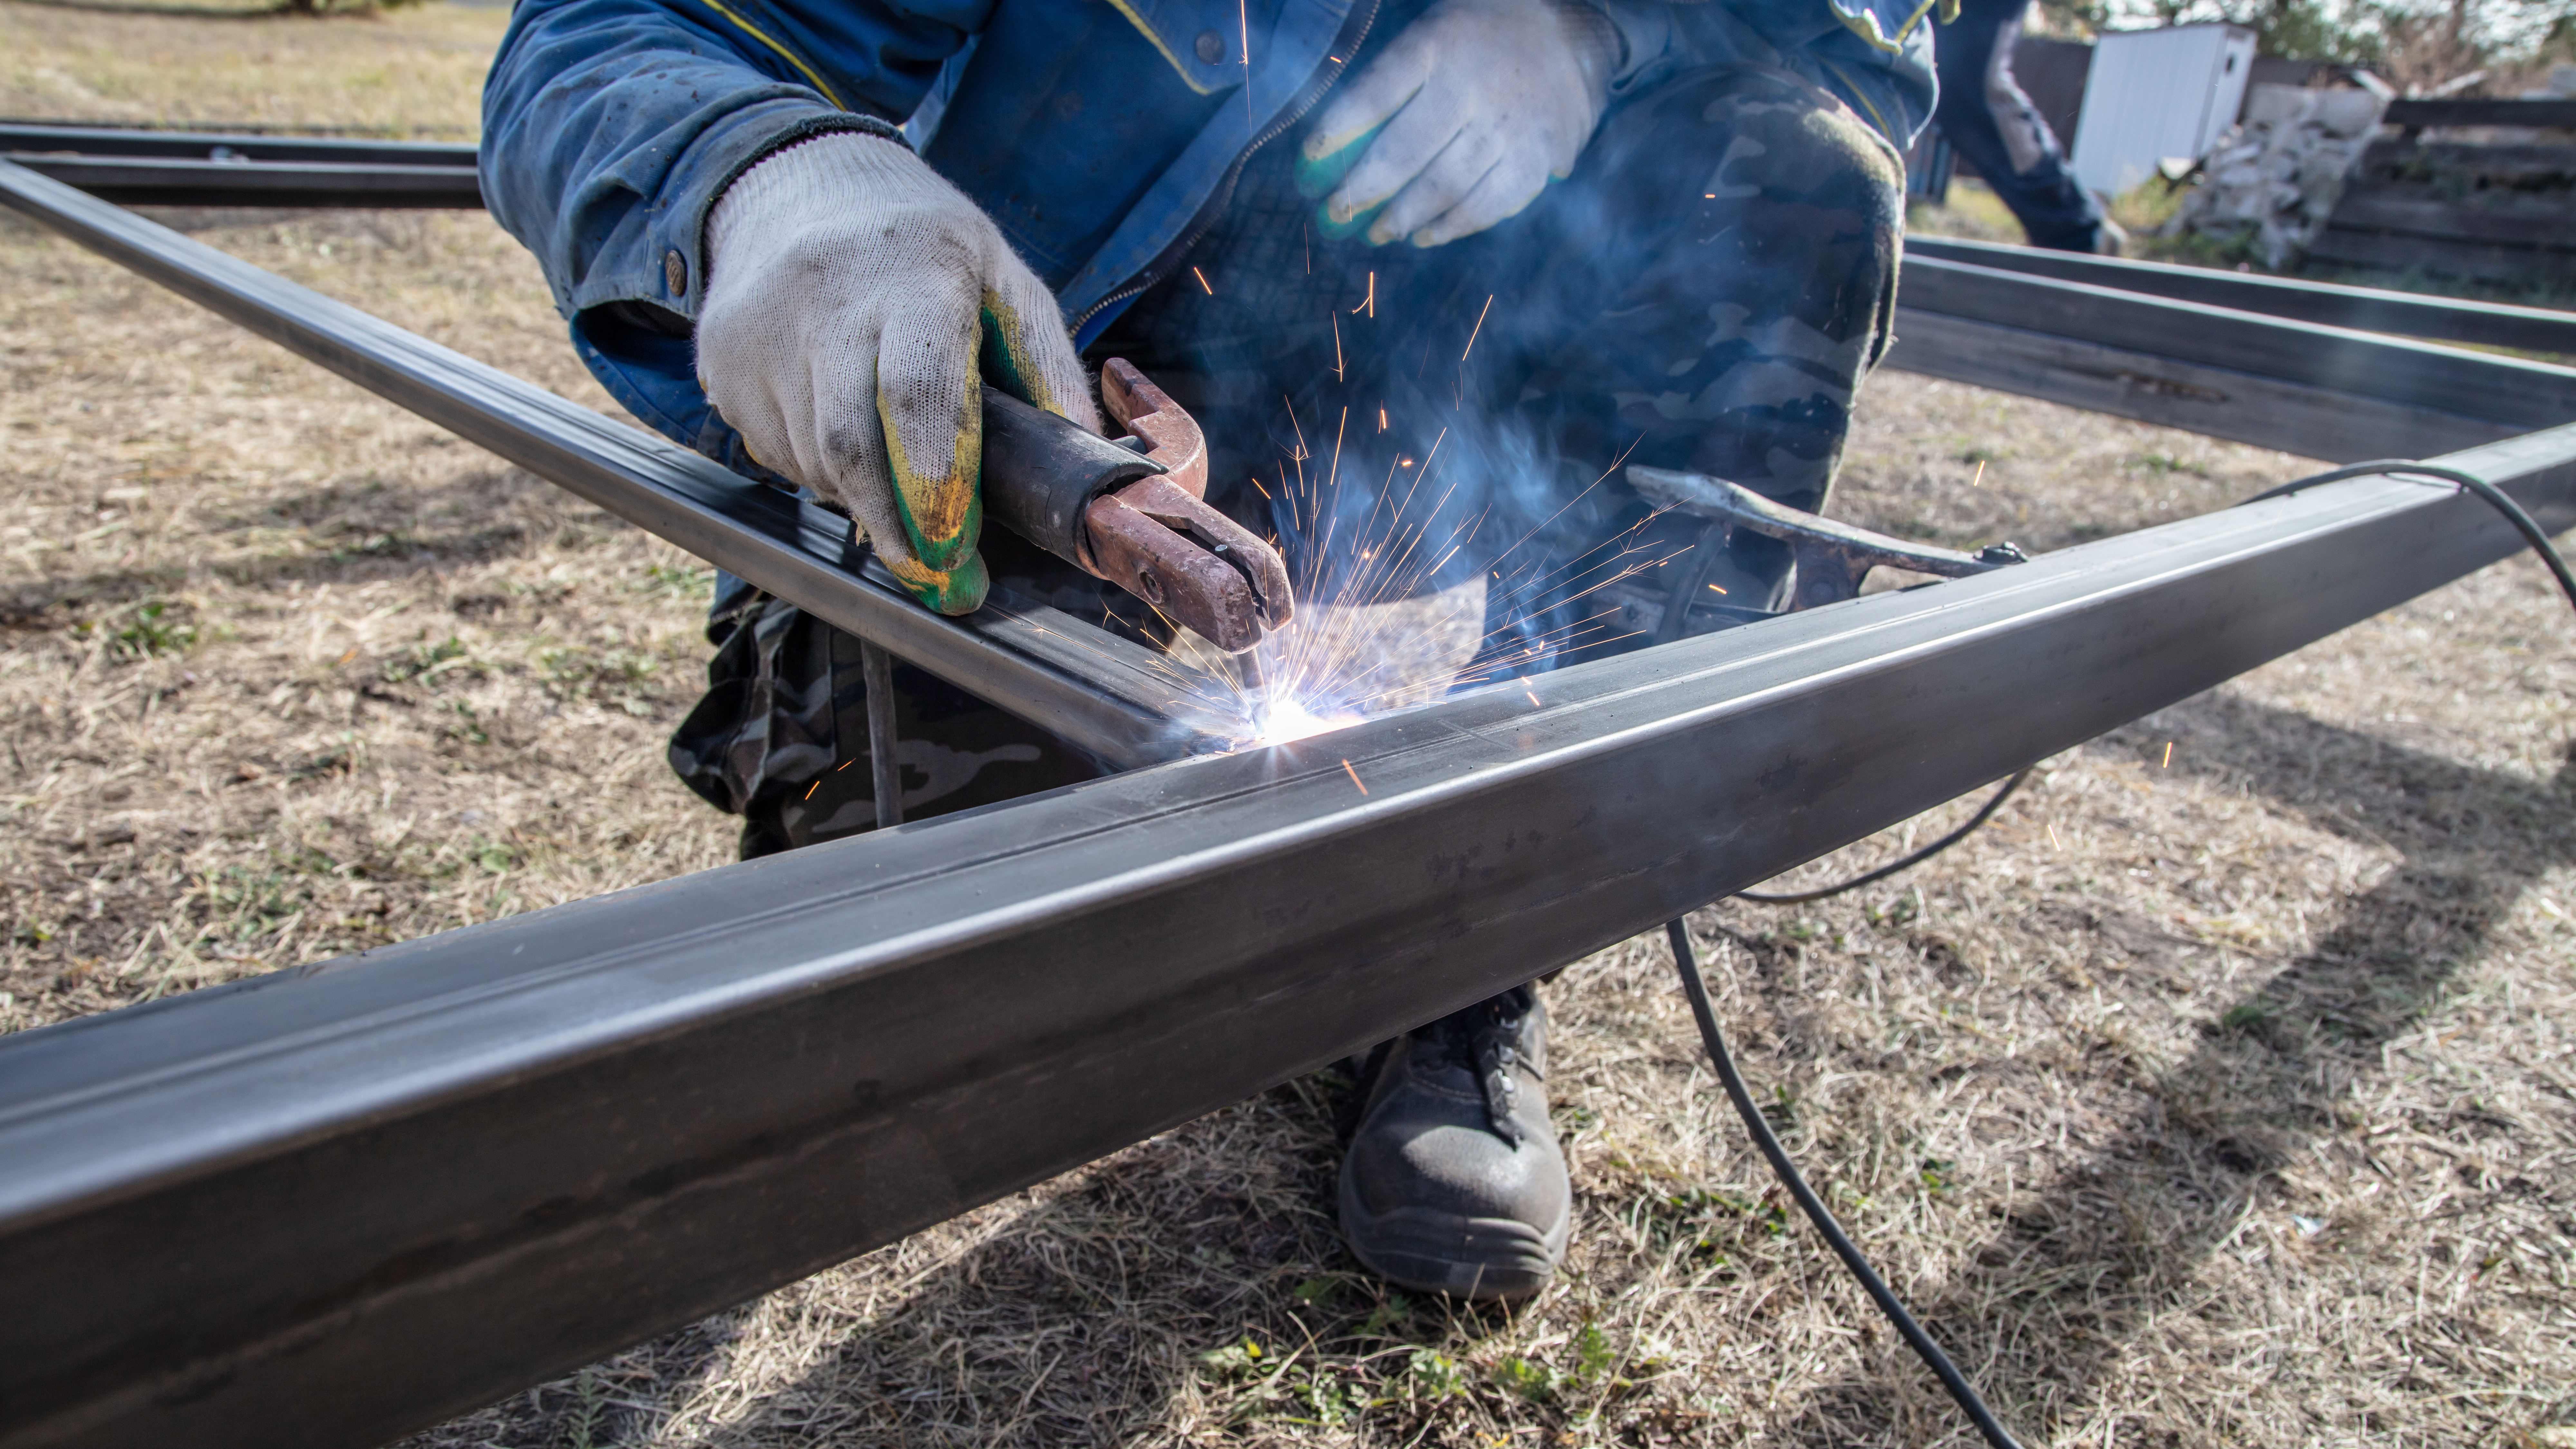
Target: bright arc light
x=1285 y=720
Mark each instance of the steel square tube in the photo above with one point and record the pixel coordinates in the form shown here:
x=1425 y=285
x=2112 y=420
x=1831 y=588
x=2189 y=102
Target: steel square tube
x=329 y=1205
x=2322 y=392
x=90 y=140
x=170 y=181
x=1120 y=700
x=2250 y=373
x=2506 y=393
x=2331 y=304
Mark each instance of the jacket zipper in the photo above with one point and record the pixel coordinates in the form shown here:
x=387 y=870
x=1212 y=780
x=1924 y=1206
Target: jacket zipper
x=1347 y=44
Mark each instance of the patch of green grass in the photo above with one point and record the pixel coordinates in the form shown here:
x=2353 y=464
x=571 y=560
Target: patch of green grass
x=150 y=628
x=2163 y=465
x=686 y=580
x=2246 y=1018
x=1527 y=1378
x=1430 y=1374
x=426 y=661
x=467 y=727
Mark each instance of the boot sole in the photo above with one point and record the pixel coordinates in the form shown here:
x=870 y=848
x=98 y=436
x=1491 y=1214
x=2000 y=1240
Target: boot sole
x=1480 y=1259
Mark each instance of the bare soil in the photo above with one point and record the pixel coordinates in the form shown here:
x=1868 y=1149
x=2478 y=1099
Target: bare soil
x=2223 y=1091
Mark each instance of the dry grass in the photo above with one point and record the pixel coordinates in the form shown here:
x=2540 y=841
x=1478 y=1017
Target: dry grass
x=288 y=672
x=2230 y=1100
x=412 y=71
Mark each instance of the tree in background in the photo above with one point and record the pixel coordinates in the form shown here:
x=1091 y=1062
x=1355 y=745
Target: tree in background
x=2416 y=44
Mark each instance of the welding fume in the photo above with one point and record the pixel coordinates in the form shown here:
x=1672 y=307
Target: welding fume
x=1324 y=339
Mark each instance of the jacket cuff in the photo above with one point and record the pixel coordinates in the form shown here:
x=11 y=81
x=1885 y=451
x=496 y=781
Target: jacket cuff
x=665 y=266
x=1645 y=41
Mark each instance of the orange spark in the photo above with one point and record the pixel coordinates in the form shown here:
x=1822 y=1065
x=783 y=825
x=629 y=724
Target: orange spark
x=2168 y=764
x=1980 y=480
x=1479 y=328
x=1715 y=589
x=1355 y=776
x=1203 y=286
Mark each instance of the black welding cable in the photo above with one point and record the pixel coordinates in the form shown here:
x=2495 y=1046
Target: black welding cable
x=1984 y=813
x=2494 y=497
x=1687 y=963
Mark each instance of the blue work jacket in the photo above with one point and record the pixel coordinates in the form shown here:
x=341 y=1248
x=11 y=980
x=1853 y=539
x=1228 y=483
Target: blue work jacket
x=1100 y=135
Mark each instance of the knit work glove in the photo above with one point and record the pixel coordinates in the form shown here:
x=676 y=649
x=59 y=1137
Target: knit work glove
x=850 y=292
x=1462 y=121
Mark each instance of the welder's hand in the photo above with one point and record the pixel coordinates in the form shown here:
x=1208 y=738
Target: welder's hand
x=850 y=290
x=1463 y=120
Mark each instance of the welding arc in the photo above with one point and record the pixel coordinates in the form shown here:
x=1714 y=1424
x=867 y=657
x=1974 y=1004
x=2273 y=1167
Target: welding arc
x=1984 y=813
x=1686 y=962
x=2494 y=497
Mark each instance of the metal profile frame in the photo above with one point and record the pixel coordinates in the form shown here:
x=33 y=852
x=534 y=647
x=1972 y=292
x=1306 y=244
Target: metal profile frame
x=211 y=168
x=2302 y=387
x=1115 y=698
x=326 y=1206
x=2330 y=304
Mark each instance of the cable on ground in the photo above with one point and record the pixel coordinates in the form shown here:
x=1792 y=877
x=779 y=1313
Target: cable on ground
x=1685 y=960
x=1984 y=813
x=1965 y=1394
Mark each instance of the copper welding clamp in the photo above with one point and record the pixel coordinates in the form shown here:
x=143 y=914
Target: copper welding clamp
x=1132 y=510
x=1832 y=557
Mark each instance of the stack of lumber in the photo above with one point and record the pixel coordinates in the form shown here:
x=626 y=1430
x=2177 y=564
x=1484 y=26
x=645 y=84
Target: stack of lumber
x=2492 y=200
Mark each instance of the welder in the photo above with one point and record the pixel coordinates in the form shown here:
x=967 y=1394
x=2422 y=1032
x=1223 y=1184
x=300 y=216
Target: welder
x=1523 y=240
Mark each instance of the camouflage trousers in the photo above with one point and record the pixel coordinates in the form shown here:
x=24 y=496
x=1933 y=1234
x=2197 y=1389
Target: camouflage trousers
x=1706 y=292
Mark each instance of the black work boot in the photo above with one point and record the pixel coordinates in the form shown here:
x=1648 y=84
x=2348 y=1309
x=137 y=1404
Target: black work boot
x=1453 y=1182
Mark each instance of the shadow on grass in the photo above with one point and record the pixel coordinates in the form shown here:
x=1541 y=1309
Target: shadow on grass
x=351 y=531
x=2062 y=1287
x=1203 y=1268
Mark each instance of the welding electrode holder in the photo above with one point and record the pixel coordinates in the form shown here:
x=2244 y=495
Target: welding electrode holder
x=1041 y=471
x=1131 y=511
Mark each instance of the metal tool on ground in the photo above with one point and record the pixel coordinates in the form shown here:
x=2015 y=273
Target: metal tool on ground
x=1133 y=511
x=1832 y=557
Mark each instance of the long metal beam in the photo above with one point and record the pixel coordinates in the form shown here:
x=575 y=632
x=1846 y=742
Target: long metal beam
x=118 y=165
x=2266 y=361
x=155 y=181
x=219 y=168
x=327 y=1206
x=2320 y=392
x=2330 y=304
x=97 y=140
x=1116 y=698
